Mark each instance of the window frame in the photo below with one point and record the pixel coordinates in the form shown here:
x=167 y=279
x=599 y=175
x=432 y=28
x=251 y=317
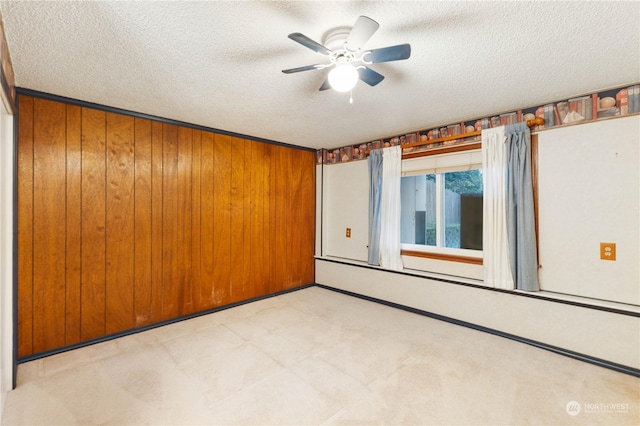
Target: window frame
x=441 y=253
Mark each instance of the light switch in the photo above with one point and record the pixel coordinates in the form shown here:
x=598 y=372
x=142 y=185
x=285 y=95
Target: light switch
x=348 y=233
x=608 y=251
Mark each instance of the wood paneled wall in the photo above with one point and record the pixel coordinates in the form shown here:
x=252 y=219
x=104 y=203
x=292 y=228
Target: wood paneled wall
x=125 y=222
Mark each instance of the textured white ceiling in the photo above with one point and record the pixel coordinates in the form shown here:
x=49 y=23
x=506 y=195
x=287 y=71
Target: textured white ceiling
x=218 y=64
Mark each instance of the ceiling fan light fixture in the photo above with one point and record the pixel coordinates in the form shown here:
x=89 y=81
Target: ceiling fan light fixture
x=343 y=77
x=342 y=47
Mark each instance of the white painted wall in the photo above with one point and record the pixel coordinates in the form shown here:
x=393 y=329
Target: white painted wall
x=589 y=192
x=6 y=232
x=454 y=269
x=603 y=335
x=564 y=252
x=578 y=209
x=346 y=205
x=318 y=247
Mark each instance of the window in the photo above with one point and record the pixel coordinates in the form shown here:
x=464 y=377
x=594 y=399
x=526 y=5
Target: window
x=441 y=207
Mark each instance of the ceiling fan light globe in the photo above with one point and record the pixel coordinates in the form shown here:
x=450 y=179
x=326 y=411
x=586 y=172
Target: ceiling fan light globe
x=343 y=77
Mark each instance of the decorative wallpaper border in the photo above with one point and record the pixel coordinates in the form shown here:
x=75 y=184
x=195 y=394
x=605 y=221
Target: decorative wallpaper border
x=595 y=106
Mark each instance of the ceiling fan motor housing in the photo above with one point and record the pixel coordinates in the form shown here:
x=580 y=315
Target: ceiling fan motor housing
x=343 y=47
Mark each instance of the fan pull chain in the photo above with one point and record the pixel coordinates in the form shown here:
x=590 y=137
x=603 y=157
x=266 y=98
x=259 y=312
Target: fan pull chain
x=351 y=96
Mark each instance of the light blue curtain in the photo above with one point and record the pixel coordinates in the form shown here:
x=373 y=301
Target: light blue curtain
x=520 y=214
x=375 y=201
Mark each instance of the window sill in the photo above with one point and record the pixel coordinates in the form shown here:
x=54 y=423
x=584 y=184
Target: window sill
x=443 y=256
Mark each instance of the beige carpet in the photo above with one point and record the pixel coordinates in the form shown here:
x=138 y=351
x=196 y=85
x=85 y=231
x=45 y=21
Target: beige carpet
x=315 y=356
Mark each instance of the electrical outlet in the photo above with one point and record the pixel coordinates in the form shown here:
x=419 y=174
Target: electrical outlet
x=348 y=233
x=608 y=251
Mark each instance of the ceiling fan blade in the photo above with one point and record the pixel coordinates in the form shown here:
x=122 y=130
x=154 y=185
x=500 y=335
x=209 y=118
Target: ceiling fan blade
x=369 y=76
x=307 y=42
x=325 y=85
x=305 y=68
x=361 y=32
x=388 y=54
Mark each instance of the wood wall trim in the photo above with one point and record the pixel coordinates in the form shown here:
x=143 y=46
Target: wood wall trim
x=530 y=123
x=440 y=256
x=443 y=150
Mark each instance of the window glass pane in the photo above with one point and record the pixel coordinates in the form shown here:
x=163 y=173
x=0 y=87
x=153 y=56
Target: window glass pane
x=418 y=210
x=462 y=209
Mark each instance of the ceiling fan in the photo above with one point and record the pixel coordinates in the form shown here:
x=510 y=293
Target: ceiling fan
x=348 y=60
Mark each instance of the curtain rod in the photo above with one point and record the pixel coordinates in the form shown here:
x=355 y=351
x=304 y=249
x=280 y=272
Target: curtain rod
x=530 y=123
